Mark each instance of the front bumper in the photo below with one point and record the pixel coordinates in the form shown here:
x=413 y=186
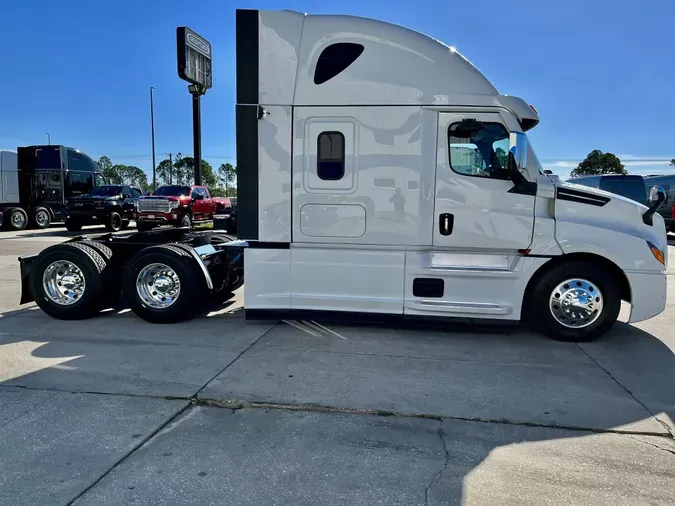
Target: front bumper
x=95 y=217
x=648 y=294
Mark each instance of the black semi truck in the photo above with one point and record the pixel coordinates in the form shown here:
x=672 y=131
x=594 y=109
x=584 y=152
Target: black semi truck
x=36 y=182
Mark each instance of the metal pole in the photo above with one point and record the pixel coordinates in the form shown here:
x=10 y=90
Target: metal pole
x=170 y=168
x=49 y=139
x=152 y=122
x=197 y=135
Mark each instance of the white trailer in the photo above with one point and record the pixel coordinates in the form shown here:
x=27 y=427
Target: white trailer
x=379 y=174
x=463 y=223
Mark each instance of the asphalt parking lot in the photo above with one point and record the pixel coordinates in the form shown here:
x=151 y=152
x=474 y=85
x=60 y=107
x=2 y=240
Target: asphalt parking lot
x=220 y=410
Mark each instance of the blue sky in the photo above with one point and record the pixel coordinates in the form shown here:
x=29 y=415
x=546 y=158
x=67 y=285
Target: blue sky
x=600 y=72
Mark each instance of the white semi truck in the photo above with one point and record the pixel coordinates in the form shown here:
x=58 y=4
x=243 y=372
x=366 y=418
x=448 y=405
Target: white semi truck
x=379 y=174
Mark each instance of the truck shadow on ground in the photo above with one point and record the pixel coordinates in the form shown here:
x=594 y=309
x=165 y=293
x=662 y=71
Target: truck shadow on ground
x=632 y=375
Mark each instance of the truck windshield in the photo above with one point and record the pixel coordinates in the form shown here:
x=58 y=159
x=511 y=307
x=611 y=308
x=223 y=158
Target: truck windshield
x=172 y=191
x=106 y=191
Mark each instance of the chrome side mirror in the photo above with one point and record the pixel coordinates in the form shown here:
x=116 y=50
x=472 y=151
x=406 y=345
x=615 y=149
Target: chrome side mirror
x=657 y=193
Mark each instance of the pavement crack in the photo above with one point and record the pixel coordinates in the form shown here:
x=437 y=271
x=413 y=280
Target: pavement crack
x=654 y=445
x=661 y=422
x=133 y=450
x=238 y=404
x=196 y=394
x=437 y=476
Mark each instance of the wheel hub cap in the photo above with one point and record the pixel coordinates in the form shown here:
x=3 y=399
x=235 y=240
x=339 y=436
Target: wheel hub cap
x=41 y=218
x=576 y=303
x=17 y=219
x=63 y=282
x=158 y=286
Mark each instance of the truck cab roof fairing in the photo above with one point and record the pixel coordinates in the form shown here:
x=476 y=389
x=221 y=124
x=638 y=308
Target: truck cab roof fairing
x=290 y=44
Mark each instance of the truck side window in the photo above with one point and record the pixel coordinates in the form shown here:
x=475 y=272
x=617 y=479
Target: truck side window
x=335 y=59
x=331 y=156
x=481 y=151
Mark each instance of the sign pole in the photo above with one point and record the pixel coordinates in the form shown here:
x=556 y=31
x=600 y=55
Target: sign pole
x=194 y=66
x=196 y=92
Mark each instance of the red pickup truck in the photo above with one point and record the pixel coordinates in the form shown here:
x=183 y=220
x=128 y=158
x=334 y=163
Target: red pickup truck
x=176 y=205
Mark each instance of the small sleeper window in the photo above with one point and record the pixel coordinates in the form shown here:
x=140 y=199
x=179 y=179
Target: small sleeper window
x=331 y=156
x=335 y=59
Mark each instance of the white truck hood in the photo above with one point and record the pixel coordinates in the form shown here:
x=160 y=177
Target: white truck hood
x=620 y=213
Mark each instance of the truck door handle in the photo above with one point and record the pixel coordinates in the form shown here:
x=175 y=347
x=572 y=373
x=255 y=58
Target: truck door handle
x=445 y=223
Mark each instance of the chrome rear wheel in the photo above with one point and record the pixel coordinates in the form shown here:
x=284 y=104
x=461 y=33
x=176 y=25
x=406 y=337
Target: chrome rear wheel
x=63 y=282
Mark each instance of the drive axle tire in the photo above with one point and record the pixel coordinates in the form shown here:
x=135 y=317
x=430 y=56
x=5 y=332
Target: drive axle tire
x=164 y=284
x=111 y=279
x=574 y=302
x=66 y=281
x=41 y=218
x=15 y=219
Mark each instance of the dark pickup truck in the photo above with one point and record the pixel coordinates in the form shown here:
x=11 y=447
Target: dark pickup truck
x=111 y=205
x=636 y=187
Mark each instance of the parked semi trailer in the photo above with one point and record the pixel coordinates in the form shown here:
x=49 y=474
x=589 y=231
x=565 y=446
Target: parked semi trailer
x=381 y=173
x=36 y=182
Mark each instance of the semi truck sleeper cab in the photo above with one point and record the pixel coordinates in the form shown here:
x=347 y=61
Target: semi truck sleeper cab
x=380 y=172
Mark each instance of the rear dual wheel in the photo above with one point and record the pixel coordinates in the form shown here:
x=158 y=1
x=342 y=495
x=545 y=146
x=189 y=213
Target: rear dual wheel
x=15 y=219
x=163 y=284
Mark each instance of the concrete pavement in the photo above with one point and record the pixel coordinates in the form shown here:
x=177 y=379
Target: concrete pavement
x=114 y=410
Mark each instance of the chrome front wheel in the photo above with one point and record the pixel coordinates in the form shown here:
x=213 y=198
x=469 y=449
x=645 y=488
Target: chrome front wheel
x=63 y=283
x=158 y=286
x=576 y=303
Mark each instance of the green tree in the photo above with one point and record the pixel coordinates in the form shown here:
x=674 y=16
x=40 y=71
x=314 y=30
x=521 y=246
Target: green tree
x=672 y=162
x=597 y=163
x=185 y=171
x=164 y=172
x=227 y=174
x=107 y=169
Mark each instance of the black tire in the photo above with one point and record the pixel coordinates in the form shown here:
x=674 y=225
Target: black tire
x=73 y=226
x=144 y=227
x=185 y=221
x=41 y=218
x=112 y=283
x=15 y=218
x=125 y=224
x=90 y=263
x=193 y=289
x=113 y=222
x=540 y=315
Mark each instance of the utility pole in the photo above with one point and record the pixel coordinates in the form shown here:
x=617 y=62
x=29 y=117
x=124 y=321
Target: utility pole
x=152 y=122
x=170 y=168
x=49 y=139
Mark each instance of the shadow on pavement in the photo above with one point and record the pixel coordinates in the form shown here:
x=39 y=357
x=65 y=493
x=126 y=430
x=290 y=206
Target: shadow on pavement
x=463 y=395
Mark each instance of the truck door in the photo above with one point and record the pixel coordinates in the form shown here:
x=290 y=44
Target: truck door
x=475 y=205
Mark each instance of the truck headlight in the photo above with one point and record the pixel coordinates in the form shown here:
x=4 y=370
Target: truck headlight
x=173 y=204
x=658 y=254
